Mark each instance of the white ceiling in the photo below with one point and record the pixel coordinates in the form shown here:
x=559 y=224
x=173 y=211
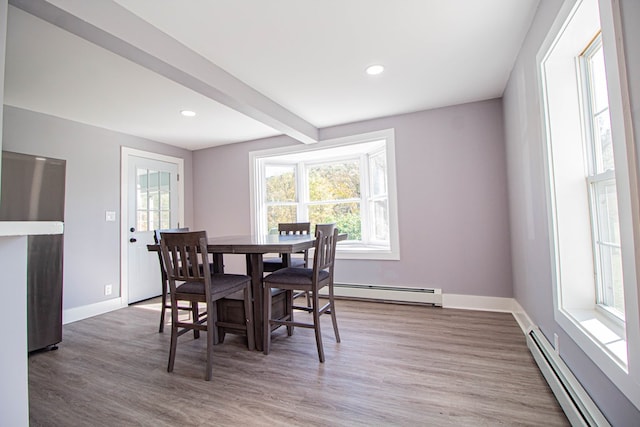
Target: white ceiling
x=255 y=68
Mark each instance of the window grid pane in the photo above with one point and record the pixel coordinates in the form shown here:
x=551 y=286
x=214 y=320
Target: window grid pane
x=604 y=203
x=153 y=200
x=277 y=214
x=346 y=216
x=334 y=181
x=280 y=183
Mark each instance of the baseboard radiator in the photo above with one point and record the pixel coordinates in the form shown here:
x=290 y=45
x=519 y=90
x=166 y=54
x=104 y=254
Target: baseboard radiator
x=427 y=296
x=574 y=400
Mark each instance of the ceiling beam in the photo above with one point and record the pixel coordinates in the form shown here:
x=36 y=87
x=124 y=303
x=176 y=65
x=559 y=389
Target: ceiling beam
x=113 y=27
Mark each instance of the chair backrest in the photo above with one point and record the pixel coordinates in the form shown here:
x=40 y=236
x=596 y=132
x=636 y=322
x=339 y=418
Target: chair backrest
x=183 y=253
x=156 y=239
x=325 y=249
x=294 y=228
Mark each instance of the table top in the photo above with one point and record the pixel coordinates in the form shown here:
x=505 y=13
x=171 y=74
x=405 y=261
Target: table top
x=260 y=244
x=246 y=244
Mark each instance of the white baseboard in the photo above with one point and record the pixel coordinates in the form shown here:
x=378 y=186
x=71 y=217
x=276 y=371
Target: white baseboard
x=78 y=313
x=474 y=302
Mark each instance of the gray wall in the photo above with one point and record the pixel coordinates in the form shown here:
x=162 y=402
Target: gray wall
x=528 y=205
x=452 y=199
x=92 y=245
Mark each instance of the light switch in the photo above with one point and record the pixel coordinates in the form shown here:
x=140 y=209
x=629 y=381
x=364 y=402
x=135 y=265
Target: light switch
x=110 y=216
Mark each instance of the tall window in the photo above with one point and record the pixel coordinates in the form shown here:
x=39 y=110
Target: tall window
x=601 y=181
x=593 y=231
x=342 y=181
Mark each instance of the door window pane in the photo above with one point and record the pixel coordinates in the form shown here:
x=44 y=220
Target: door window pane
x=153 y=206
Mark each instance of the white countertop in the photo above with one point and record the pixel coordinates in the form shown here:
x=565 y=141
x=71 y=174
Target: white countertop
x=28 y=228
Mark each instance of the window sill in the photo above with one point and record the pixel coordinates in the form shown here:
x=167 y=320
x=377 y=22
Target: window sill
x=603 y=332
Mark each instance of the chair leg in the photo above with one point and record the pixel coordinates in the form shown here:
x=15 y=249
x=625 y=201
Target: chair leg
x=213 y=316
x=316 y=325
x=266 y=319
x=174 y=340
x=248 y=313
x=333 y=313
x=211 y=336
x=220 y=329
x=163 y=308
x=196 y=316
x=289 y=310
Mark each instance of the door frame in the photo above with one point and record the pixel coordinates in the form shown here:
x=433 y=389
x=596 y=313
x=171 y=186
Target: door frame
x=125 y=153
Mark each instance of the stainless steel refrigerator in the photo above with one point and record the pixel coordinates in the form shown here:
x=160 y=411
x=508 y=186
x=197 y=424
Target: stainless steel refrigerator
x=33 y=189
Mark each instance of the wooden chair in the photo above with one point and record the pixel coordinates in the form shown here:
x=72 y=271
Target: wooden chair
x=275 y=263
x=310 y=280
x=163 y=275
x=182 y=254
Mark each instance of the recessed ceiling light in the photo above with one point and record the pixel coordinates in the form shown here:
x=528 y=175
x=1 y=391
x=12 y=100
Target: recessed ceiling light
x=188 y=113
x=374 y=69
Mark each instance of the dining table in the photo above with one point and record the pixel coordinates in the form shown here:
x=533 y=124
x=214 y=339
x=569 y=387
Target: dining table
x=254 y=247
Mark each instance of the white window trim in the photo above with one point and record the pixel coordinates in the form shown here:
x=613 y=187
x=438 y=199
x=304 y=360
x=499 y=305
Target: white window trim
x=343 y=251
x=585 y=327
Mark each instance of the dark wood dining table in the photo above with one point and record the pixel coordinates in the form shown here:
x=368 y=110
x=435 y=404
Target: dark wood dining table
x=254 y=247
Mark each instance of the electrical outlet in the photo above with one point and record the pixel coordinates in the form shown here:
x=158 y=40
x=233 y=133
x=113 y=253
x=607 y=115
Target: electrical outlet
x=556 y=343
x=108 y=289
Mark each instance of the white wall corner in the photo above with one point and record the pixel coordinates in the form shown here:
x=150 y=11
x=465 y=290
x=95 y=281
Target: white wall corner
x=523 y=319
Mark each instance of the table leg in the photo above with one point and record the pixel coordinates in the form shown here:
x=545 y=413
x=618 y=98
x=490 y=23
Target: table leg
x=286 y=259
x=255 y=270
x=218 y=263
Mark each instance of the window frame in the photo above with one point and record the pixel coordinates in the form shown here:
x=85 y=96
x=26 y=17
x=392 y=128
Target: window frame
x=346 y=249
x=594 y=333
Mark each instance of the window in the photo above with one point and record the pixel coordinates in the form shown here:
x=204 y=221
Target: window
x=348 y=181
x=153 y=199
x=601 y=181
x=590 y=197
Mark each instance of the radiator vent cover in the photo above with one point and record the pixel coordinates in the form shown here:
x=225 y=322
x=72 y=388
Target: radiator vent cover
x=398 y=294
x=574 y=400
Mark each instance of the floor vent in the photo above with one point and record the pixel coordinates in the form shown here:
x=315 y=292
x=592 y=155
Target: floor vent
x=389 y=293
x=574 y=400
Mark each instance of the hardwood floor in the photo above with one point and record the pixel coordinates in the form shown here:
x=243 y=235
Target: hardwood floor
x=397 y=365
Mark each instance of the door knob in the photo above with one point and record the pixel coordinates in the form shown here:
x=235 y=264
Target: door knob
x=133 y=240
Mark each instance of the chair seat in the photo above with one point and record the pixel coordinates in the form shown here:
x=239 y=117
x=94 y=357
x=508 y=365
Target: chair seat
x=220 y=284
x=295 y=276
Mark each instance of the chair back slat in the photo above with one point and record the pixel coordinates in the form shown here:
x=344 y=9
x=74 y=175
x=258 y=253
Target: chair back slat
x=157 y=236
x=183 y=253
x=325 y=247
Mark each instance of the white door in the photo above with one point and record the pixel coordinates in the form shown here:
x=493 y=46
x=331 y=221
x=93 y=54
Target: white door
x=152 y=203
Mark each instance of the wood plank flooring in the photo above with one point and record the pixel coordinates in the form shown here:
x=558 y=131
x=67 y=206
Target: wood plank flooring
x=397 y=365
